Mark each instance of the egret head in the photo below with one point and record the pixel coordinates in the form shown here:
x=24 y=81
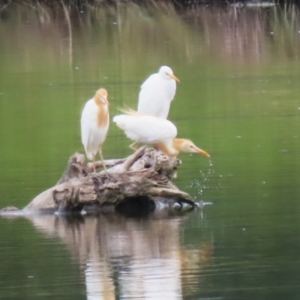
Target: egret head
x=101 y=94
x=183 y=145
x=167 y=73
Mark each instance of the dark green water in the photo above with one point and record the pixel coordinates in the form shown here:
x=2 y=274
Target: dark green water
x=238 y=99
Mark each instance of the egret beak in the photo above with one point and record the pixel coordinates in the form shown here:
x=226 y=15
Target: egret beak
x=173 y=77
x=202 y=152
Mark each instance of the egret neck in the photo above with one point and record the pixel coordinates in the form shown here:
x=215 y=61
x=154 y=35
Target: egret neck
x=101 y=101
x=180 y=145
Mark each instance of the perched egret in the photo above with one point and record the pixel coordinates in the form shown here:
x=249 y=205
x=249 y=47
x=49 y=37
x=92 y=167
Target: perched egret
x=94 y=125
x=159 y=132
x=157 y=93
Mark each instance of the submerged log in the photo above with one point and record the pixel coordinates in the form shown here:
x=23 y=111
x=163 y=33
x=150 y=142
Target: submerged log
x=140 y=182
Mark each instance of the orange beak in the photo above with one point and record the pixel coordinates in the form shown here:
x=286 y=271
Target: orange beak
x=202 y=152
x=174 y=77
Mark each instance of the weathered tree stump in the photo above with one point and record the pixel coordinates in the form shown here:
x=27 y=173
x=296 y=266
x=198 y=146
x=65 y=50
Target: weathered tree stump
x=140 y=182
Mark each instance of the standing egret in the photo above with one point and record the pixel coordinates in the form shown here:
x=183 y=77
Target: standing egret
x=156 y=131
x=157 y=93
x=94 y=125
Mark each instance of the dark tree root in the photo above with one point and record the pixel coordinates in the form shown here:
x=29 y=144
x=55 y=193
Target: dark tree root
x=136 y=184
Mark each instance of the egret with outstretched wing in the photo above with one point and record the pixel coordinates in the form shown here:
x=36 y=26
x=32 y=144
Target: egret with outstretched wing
x=160 y=133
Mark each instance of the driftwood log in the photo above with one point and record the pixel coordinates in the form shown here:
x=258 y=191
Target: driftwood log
x=138 y=183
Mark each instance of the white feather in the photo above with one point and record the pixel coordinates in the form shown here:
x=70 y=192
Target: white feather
x=157 y=93
x=146 y=129
x=92 y=136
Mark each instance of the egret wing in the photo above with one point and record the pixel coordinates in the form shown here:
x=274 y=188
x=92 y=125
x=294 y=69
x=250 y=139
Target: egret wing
x=146 y=129
x=86 y=122
x=156 y=95
x=91 y=135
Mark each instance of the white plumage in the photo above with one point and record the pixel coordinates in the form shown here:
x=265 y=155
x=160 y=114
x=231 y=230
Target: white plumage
x=146 y=129
x=156 y=131
x=94 y=124
x=157 y=93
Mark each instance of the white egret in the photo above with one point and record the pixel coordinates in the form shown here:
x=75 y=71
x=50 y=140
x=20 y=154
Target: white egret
x=160 y=133
x=157 y=93
x=94 y=125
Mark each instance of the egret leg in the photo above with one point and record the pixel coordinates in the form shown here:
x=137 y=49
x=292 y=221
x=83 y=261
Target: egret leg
x=94 y=165
x=134 y=146
x=103 y=164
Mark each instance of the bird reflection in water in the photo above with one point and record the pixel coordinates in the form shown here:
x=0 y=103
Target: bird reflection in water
x=128 y=258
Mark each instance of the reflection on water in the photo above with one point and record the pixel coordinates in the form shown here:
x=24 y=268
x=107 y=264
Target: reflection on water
x=128 y=258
